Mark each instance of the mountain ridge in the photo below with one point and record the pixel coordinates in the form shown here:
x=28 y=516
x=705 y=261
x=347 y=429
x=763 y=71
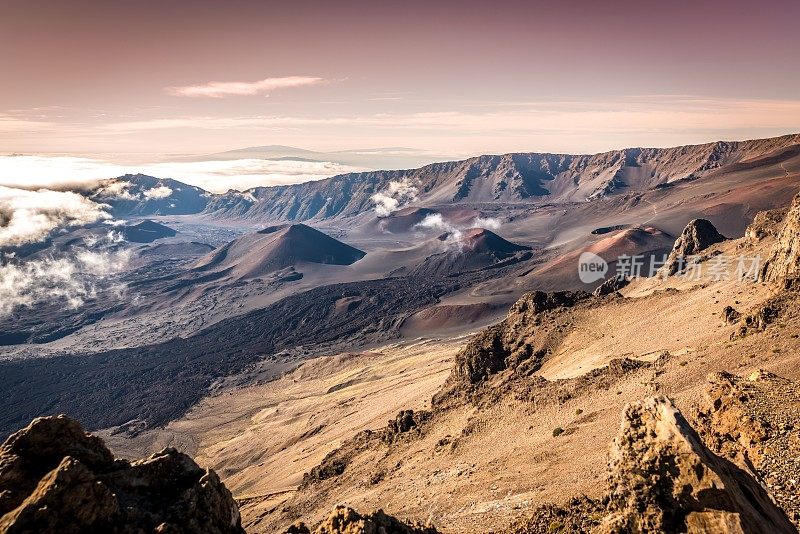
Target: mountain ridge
x=527 y=177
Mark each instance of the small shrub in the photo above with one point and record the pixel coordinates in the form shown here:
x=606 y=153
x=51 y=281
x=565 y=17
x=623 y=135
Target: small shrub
x=578 y=411
x=557 y=431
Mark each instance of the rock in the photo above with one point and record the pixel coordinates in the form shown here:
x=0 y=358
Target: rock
x=405 y=421
x=580 y=514
x=30 y=454
x=730 y=315
x=726 y=425
x=662 y=478
x=783 y=265
x=698 y=235
x=345 y=520
x=54 y=477
x=509 y=344
x=765 y=224
x=611 y=286
x=759 y=319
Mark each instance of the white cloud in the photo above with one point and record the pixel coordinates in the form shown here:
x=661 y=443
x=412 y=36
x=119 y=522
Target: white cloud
x=223 y=89
x=72 y=279
x=30 y=216
x=394 y=197
x=435 y=221
x=115 y=189
x=157 y=193
x=490 y=223
x=63 y=172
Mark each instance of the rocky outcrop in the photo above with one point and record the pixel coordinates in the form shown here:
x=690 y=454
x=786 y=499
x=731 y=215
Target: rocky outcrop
x=783 y=265
x=698 y=235
x=765 y=224
x=662 y=478
x=54 y=477
x=730 y=315
x=519 y=342
x=611 y=286
x=345 y=520
x=765 y=314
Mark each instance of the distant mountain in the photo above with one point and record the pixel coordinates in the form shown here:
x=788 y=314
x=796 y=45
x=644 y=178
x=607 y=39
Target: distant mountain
x=275 y=248
x=524 y=177
x=508 y=178
x=134 y=195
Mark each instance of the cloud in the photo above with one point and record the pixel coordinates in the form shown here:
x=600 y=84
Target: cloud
x=30 y=216
x=435 y=221
x=223 y=89
x=156 y=193
x=490 y=223
x=114 y=189
x=394 y=197
x=64 y=173
x=71 y=279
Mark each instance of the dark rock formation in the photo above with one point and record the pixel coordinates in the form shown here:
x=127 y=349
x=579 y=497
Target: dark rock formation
x=54 y=477
x=698 y=235
x=147 y=232
x=345 y=520
x=611 y=286
x=662 y=478
x=521 y=339
x=730 y=315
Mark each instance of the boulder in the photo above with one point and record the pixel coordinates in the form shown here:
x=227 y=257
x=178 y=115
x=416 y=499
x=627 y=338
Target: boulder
x=662 y=478
x=55 y=477
x=345 y=520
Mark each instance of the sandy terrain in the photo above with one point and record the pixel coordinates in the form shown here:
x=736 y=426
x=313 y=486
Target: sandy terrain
x=286 y=427
x=481 y=467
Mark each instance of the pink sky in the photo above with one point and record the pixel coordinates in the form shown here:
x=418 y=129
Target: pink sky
x=453 y=78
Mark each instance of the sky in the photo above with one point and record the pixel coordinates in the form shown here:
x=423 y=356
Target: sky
x=116 y=85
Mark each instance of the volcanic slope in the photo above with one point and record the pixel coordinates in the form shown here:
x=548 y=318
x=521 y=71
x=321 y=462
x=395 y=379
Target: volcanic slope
x=275 y=248
x=518 y=422
x=471 y=250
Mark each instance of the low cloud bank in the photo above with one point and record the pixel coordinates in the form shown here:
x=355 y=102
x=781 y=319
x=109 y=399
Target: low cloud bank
x=30 y=216
x=72 y=279
x=65 y=173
